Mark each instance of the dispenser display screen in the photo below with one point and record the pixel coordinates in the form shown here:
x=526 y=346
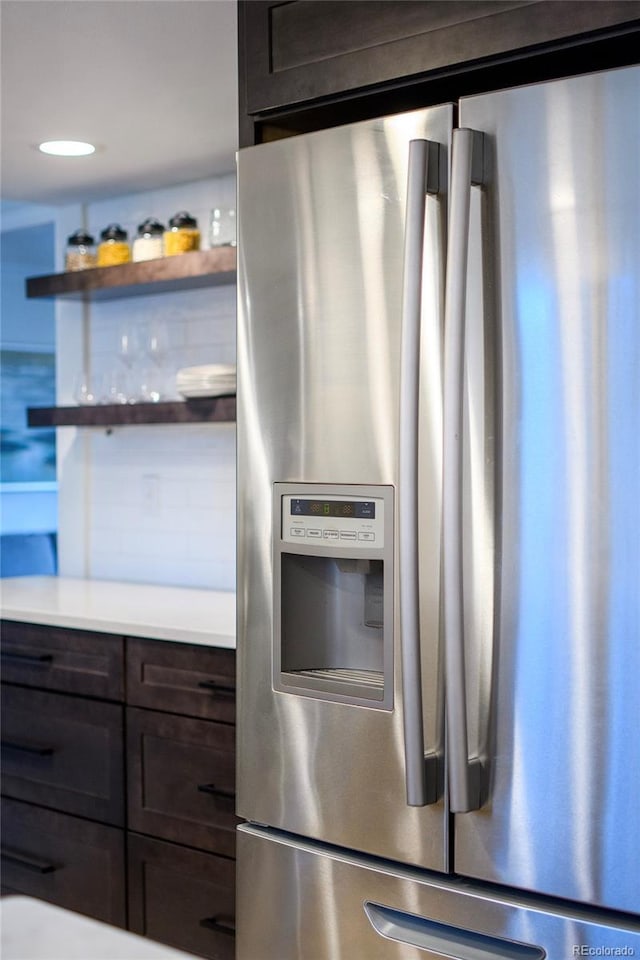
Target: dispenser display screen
x=361 y=510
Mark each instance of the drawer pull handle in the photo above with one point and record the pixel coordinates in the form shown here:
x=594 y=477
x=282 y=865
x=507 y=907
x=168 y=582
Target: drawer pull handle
x=26 y=861
x=211 y=788
x=41 y=659
x=215 y=687
x=35 y=749
x=220 y=924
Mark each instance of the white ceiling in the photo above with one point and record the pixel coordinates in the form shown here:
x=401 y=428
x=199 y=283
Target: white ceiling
x=153 y=83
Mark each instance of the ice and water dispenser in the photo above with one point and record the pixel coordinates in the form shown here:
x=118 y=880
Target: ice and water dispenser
x=333 y=603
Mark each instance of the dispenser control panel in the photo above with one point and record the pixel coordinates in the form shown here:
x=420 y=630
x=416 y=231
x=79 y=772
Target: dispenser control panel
x=352 y=522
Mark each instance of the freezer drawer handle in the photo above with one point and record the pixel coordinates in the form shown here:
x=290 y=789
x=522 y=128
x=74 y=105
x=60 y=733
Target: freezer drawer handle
x=35 y=749
x=423 y=178
x=37 y=659
x=220 y=924
x=445 y=940
x=465 y=774
x=9 y=855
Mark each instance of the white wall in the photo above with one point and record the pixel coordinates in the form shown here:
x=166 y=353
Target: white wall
x=149 y=504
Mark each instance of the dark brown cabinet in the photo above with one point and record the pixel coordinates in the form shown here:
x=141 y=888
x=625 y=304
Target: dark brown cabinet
x=69 y=735
x=309 y=64
x=63 y=811
x=63 y=752
x=70 y=661
x=182 y=897
x=182 y=780
x=181 y=795
x=178 y=678
x=66 y=860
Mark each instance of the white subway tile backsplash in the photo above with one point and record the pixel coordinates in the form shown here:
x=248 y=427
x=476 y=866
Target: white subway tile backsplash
x=167 y=495
x=108 y=539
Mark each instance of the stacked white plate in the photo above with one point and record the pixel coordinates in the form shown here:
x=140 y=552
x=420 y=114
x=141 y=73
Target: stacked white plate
x=212 y=380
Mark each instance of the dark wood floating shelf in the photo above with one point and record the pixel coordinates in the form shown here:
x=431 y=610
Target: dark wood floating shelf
x=202 y=410
x=201 y=268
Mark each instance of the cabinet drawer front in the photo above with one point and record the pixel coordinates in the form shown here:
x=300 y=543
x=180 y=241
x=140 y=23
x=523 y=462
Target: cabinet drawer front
x=71 y=661
x=181 y=775
x=190 y=680
x=182 y=897
x=65 y=860
x=63 y=752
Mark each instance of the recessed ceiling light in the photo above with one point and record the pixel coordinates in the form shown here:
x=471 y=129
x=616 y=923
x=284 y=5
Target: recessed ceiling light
x=67 y=148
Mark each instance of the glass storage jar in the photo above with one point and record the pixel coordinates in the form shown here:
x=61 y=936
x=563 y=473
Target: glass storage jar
x=114 y=246
x=222 y=227
x=182 y=236
x=149 y=244
x=81 y=251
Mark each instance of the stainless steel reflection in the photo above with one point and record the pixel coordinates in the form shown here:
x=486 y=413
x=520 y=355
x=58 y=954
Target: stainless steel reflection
x=564 y=198
x=317 y=903
x=320 y=296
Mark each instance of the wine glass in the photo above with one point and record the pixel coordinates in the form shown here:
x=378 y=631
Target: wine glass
x=128 y=352
x=156 y=348
x=115 y=387
x=84 y=393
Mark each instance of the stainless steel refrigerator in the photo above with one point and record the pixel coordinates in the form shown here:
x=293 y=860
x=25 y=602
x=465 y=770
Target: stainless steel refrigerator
x=439 y=532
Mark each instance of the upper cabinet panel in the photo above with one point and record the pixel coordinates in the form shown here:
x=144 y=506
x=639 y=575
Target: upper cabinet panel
x=303 y=33
x=296 y=53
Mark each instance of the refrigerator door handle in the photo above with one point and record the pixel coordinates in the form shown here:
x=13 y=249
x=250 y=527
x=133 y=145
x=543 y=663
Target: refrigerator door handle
x=423 y=178
x=465 y=774
x=444 y=939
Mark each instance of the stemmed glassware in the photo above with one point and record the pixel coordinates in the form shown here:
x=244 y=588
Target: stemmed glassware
x=142 y=351
x=84 y=392
x=122 y=388
x=156 y=349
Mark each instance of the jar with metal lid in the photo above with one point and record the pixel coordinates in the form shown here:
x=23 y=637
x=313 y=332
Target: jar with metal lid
x=149 y=244
x=182 y=236
x=114 y=246
x=81 y=251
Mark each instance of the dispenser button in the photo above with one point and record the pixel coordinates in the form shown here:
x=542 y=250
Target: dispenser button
x=314 y=533
x=297 y=531
x=366 y=536
x=347 y=535
x=330 y=534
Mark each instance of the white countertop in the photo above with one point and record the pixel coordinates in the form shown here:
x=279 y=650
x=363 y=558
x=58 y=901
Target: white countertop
x=181 y=614
x=33 y=930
